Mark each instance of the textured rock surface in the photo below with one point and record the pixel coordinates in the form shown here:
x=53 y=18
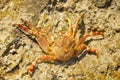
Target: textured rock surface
x=18 y=50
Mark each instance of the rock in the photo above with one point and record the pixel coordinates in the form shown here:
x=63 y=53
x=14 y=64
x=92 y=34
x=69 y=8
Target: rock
x=102 y=3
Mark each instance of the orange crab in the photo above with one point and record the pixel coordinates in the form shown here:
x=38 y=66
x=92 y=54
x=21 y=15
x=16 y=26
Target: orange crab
x=62 y=48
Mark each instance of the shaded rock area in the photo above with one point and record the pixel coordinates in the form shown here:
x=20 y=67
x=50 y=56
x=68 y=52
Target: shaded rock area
x=18 y=50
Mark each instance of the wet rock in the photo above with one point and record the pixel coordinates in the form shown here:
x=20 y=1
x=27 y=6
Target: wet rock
x=3 y=3
x=70 y=4
x=102 y=3
x=11 y=62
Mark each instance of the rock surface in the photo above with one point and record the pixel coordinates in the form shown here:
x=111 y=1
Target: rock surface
x=18 y=50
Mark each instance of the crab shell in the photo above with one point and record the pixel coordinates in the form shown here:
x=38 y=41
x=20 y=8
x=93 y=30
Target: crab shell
x=63 y=48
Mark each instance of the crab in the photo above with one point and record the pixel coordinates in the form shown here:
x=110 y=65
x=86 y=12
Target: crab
x=63 y=47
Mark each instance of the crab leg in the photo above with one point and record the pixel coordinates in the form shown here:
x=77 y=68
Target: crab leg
x=92 y=50
x=43 y=58
x=35 y=32
x=70 y=27
x=80 y=45
x=76 y=24
x=27 y=23
x=27 y=28
x=21 y=27
x=83 y=38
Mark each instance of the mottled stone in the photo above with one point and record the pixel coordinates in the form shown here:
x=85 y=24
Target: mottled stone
x=102 y=3
x=18 y=50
